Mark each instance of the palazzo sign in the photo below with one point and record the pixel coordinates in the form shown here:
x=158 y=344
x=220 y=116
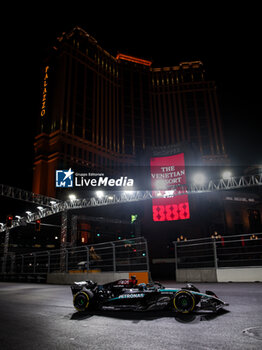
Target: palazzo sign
x=44 y=95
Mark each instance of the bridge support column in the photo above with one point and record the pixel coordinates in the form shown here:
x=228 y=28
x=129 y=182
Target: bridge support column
x=63 y=242
x=73 y=230
x=63 y=229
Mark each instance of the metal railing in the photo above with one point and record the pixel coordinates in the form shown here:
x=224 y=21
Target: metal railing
x=221 y=251
x=117 y=256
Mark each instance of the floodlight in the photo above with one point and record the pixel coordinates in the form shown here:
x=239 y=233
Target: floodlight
x=227 y=175
x=199 y=179
x=99 y=194
x=72 y=197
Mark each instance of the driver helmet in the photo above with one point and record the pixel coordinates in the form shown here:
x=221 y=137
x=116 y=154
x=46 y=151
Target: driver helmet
x=133 y=280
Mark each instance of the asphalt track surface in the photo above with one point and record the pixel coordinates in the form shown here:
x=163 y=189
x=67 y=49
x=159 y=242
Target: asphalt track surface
x=41 y=316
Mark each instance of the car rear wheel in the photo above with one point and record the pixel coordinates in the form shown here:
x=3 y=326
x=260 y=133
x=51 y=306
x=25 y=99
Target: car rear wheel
x=184 y=301
x=81 y=301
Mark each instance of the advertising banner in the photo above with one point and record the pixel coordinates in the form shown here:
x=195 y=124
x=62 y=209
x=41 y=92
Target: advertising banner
x=168 y=180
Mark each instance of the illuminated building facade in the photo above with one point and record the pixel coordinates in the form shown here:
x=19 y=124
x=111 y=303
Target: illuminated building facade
x=99 y=111
x=185 y=109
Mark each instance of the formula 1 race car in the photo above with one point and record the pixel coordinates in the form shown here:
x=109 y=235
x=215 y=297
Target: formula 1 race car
x=127 y=295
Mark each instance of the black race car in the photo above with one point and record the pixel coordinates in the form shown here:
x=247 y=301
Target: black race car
x=127 y=295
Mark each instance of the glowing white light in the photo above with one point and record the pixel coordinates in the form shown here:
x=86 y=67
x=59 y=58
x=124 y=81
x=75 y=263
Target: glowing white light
x=199 y=179
x=72 y=197
x=99 y=194
x=227 y=175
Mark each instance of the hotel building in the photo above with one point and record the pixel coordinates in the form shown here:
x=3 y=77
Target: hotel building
x=99 y=111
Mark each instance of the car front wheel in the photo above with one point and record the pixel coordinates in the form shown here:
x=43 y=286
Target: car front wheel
x=184 y=301
x=81 y=301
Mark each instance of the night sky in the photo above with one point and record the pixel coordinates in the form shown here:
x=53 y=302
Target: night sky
x=227 y=42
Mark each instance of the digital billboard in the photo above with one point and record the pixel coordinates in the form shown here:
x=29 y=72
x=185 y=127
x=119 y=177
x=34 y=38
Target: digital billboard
x=168 y=177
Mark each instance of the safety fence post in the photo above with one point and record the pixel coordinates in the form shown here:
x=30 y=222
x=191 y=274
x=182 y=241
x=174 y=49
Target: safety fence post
x=34 y=265
x=6 y=244
x=114 y=256
x=87 y=258
x=48 y=261
x=22 y=264
x=215 y=253
x=12 y=262
x=215 y=256
x=66 y=260
x=176 y=257
x=147 y=257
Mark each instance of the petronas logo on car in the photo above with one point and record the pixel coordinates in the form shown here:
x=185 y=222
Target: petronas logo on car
x=127 y=296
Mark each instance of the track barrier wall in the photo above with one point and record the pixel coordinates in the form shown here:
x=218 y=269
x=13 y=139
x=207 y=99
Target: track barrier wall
x=236 y=258
x=98 y=277
x=101 y=263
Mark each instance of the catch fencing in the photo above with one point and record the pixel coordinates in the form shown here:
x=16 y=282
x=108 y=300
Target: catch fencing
x=243 y=250
x=117 y=256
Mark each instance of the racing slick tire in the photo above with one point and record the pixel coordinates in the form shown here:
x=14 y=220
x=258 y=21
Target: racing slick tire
x=191 y=287
x=184 y=302
x=82 y=300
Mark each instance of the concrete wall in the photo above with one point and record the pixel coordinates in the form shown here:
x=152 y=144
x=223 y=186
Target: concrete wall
x=196 y=275
x=243 y=274
x=237 y=274
x=100 y=278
